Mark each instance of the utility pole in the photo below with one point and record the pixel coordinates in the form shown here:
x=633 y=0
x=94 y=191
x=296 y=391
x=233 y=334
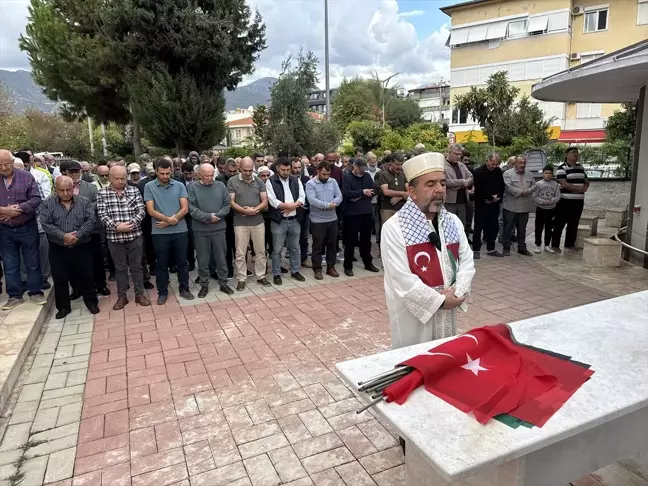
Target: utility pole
x=90 y=135
x=326 y=61
x=384 y=87
x=103 y=140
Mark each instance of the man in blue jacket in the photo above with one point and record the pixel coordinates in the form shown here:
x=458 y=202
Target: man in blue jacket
x=358 y=190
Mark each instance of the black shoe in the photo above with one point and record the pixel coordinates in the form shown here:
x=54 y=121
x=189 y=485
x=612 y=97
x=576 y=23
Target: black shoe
x=0 y=288
x=250 y=273
x=476 y=255
x=192 y=267
x=372 y=268
x=93 y=309
x=197 y=280
x=240 y=286
x=226 y=289
x=525 y=252
x=111 y=277
x=354 y=259
x=185 y=294
x=75 y=295
x=103 y=291
x=46 y=286
x=264 y=281
x=298 y=276
x=506 y=252
x=348 y=272
x=162 y=298
x=277 y=280
x=214 y=275
x=284 y=270
x=203 y=292
x=495 y=253
x=62 y=313
x=148 y=285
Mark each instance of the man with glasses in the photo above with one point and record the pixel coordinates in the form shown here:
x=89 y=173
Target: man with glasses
x=458 y=181
x=357 y=190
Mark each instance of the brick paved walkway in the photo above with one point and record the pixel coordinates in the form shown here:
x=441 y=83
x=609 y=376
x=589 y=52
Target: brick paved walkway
x=231 y=392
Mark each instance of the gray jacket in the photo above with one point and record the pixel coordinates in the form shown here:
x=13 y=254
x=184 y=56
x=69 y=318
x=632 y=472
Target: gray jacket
x=205 y=201
x=514 y=186
x=453 y=184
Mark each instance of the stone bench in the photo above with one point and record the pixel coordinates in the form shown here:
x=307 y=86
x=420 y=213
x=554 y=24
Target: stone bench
x=602 y=252
x=604 y=421
x=614 y=218
x=584 y=231
x=592 y=223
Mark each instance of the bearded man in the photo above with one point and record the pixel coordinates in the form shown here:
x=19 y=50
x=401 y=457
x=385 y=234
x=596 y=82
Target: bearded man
x=427 y=258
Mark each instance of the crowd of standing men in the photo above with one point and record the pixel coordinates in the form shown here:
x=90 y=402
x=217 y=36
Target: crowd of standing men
x=171 y=215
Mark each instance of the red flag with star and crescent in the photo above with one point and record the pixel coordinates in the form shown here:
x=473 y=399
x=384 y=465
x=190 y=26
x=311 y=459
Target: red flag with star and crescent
x=487 y=373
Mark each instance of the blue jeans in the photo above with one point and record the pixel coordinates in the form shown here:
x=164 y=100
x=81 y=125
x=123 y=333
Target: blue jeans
x=171 y=249
x=287 y=233
x=14 y=242
x=303 y=236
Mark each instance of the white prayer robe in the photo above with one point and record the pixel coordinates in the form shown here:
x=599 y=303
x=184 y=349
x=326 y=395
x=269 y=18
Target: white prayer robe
x=414 y=308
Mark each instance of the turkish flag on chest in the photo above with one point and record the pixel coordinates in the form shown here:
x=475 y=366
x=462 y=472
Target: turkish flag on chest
x=423 y=260
x=487 y=373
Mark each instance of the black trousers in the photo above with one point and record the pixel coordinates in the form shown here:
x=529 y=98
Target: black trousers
x=568 y=213
x=356 y=230
x=98 y=269
x=544 y=222
x=149 y=249
x=230 y=241
x=519 y=222
x=268 y=235
x=486 y=221
x=324 y=243
x=191 y=250
x=72 y=266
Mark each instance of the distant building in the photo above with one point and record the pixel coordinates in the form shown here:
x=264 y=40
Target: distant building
x=317 y=100
x=239 y=125
x=434 y=101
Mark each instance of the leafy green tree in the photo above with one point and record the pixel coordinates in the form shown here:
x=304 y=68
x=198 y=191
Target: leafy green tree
x=326 y=138
x=429 y=134
x=176 y=111
x=260 y=122
x=6 y=103
x=491 y=104
x=290 y=126
x=234 y=152
x=401 y=113
x=396 y=141
x=353 y=102
x=366 y=134
x=620 y=132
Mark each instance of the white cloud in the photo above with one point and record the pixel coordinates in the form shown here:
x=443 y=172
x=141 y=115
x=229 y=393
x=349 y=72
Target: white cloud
x=412 y=13
x=366 y=36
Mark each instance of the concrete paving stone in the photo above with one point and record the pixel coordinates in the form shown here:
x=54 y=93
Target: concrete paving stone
x=9 y=457
x=248 y=434
x=53 y=445
x=220 y=476
x=76 y=377
x=79 y=338
x=261 y=446
x=294 y=429
x=75 y=365
x=199 y=458
x=43 y=360
x=315 y=423
x=162 y=477
x=82 y=349
x=287 y=464
x=60 y=465
x=37 y=375
x=7 y=470
x=317 y=445
x=356 y=442
x=34 y=470
x=66 y=361
x=327 y=460
x=70 y=329
x=62 y=401
x=261 y=471
x=224 y=450
x=62 y=392
x=24 y=412
x=353 y=473
x=69 y=414
x=382 y=460
x=15 y=436
x=57 y=432
x=64 y=352
x=31 y=392
x=391 y=477
x=45 y=419
x=56 y=380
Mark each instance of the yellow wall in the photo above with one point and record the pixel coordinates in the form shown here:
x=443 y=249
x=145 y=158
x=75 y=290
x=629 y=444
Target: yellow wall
x=524 y=86
x=495 y=9
x=508 y=50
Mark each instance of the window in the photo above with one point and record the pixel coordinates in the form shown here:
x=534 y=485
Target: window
x=558 y=22
x=517 y=29
x=477 y=33
x=538 y=25
x=237 y=133
x=589 y=57
x=596 y=21
x=496 y=30
x=588 y=110
x=459 y=36
x=459 y=116
x=642 y=12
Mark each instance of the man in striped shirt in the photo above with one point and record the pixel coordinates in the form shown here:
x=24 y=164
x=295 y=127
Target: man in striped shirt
x=573 y=184
x=121 y=211
x=68 y=221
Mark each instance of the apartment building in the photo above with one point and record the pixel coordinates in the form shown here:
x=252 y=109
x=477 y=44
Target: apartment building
x=533 y=39
x=433 y=100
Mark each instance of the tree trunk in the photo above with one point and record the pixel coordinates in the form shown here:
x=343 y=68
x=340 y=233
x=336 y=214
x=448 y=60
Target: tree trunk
x=137 y=141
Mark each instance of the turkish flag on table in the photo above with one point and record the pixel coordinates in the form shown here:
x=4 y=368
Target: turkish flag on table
x=486 y=372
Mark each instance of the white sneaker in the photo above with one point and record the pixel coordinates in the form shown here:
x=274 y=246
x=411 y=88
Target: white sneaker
x=537 y=249
x=548 y=249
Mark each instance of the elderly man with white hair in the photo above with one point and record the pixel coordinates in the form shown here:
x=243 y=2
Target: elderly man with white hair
x=427 y=258
x=209 y=205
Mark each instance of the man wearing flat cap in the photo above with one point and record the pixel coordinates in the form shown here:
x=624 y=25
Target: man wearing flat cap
x=427 y=258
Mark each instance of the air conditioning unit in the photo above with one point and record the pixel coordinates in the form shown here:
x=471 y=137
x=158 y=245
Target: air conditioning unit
x=578 y=10
x=575 y=56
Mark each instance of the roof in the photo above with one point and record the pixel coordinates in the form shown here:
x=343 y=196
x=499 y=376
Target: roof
x=447 y=10
x=240 y=122
x=440 y=84
x=613 y=78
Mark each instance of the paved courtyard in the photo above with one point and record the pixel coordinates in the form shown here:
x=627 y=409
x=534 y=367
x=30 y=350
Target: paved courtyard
x=242 y=391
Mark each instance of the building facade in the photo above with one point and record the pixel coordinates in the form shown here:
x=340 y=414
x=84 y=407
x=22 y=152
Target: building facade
x=317 y=100
x=533 y=39
x=433 y=100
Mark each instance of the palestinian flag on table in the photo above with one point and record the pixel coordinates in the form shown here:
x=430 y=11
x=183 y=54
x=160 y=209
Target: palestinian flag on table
x=487 y=372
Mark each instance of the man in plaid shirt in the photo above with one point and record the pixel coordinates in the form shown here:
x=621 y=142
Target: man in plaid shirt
x=121 y=210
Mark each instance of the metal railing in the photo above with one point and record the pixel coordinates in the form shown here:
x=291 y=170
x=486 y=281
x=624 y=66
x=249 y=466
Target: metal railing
x=623 y=243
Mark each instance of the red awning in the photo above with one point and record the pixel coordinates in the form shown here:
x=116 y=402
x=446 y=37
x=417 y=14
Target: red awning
x=582 y=136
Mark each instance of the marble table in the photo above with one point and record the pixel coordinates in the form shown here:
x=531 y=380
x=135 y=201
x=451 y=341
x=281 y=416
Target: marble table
x=604 y=421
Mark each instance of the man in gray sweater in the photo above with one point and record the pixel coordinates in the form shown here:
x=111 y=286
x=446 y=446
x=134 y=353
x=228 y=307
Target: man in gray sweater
x=208 y=205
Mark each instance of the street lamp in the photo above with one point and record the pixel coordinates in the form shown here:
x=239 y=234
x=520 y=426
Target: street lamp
x=384 y=87
x=326 y=61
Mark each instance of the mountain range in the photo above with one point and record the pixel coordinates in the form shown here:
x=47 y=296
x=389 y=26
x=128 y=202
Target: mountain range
x=27 y=94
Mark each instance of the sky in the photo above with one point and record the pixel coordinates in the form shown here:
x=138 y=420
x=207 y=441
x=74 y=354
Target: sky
x=365 y=36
